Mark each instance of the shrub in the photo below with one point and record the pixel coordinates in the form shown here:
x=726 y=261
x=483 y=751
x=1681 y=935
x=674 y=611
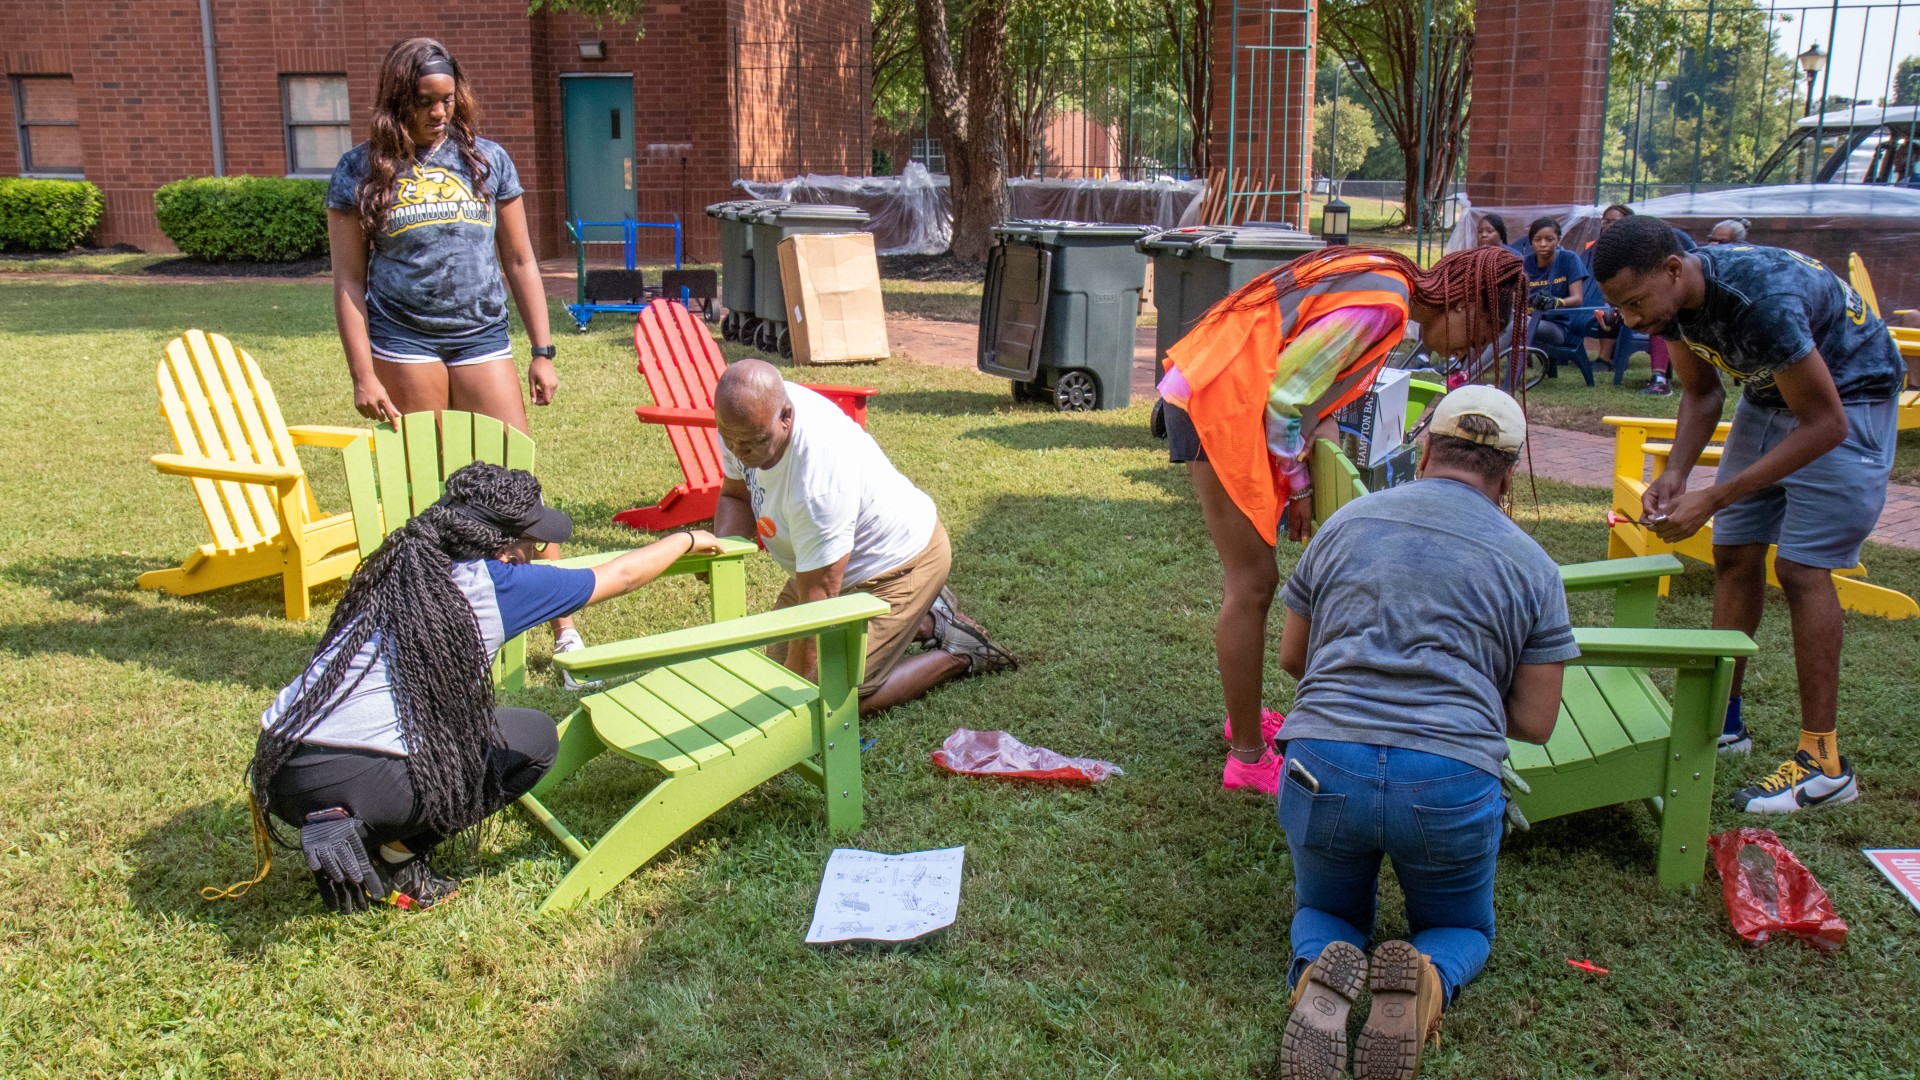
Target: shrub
x=244 y=218
x=46 y=215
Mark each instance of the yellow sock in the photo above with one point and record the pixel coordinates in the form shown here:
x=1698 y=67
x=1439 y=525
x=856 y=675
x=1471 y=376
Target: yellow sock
x=1820 y=746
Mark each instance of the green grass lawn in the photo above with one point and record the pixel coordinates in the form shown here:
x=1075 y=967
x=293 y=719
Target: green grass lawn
x=1134 y=929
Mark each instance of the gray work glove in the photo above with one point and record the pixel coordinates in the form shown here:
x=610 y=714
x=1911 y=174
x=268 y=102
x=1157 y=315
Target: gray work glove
x=335 y=845
x=1510 y=780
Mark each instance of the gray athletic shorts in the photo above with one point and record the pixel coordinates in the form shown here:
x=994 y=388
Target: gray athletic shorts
x=1821 y=514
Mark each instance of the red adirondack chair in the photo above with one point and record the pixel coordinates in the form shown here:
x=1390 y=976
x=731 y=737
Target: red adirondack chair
x=681 y=363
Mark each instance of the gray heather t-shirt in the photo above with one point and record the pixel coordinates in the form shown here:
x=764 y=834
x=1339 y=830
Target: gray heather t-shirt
x=433 y=270
x=1424 y=599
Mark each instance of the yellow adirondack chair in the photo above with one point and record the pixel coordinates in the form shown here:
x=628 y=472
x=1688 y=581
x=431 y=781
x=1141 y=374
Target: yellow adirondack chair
x=1906 y=337
x=239 y=455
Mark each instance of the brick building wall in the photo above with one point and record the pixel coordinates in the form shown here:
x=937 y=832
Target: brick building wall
x=140 y=82
x=1539 y=101
x=1269 y=116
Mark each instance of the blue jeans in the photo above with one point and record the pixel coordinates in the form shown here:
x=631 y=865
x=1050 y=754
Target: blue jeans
x=1439 y=819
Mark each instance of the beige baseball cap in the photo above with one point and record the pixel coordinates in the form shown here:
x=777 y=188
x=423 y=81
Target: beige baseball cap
x=1496 y=405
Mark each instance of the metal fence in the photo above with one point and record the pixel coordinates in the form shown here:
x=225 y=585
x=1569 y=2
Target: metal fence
x=1711 y=94
x=802 y=105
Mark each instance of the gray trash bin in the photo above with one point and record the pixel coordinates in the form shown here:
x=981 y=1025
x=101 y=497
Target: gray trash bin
x=736 y=262
x=1194 y=268
x=1058 y=313
x=772 y=224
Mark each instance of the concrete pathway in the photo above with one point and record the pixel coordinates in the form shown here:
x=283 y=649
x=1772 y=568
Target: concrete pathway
x=1571 y=457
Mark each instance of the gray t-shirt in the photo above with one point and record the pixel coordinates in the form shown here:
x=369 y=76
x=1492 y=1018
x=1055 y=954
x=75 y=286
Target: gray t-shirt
x=1424 y=599
x=433 y=270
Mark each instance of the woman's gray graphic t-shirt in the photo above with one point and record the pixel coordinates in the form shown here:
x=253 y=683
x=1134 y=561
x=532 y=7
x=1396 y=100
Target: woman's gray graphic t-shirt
x=433 y=268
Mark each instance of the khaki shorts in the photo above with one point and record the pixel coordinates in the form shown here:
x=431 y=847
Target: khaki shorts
x=908 y=589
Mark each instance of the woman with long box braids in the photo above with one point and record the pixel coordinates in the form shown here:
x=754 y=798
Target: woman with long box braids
x=428 y=234
x=391 y=739
x=1259 y=378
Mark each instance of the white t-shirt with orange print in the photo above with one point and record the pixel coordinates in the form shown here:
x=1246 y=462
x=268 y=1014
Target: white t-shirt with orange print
x=834 y=493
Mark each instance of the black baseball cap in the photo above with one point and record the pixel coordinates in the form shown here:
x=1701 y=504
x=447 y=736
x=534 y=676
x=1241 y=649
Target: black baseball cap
x=541 y=522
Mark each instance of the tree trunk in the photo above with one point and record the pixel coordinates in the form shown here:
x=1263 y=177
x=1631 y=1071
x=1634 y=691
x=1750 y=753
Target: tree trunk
x=1190 y=22
x=970 y=120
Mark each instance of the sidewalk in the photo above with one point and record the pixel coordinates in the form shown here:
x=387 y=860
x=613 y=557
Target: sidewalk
x=1571 y=457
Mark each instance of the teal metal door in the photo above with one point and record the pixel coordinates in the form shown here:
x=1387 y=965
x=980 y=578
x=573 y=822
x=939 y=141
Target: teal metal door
x=597 y=116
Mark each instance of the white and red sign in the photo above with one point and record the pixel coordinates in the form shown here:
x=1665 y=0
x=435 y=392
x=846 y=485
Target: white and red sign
x=1902 y=867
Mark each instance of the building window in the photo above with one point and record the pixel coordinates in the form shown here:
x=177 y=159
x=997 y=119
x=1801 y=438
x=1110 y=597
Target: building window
x=318 y=131
x=930 y=153
x=47 y=115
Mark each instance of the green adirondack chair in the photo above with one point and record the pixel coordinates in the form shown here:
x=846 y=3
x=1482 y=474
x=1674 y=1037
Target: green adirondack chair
x=719 y=718
x=1617 y=739
x=400 y=474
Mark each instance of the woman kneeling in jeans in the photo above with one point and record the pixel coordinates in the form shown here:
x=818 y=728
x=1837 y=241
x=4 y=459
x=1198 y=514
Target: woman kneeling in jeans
x=1425 y=628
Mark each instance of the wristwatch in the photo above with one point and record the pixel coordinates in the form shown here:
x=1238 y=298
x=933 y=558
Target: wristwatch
x=546 y=352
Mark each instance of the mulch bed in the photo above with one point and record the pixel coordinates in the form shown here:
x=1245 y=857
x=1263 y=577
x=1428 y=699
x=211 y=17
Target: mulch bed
x=941 y=267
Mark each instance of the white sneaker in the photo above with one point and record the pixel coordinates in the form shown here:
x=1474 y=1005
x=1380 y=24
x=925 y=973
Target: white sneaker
x=1736 y=741
x=567 y=641
x=1796 y=785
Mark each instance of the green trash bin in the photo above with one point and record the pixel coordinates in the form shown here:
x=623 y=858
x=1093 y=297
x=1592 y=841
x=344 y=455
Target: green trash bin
x=1196 y=267
x=1058 y=312
x=736 y=262
x=770 y=225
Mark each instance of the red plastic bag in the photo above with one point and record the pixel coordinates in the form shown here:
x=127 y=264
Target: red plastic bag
x=1769 y=892
x=996 y=753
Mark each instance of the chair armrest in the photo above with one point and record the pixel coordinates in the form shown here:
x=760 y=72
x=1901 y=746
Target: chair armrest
x=751 y=632
x=841 y=391
x=686 y=564
x=238 y=471
x=661 y=414
x=1660 y=427
x=1611 y=573
x=339 y=438
x=1644 y=648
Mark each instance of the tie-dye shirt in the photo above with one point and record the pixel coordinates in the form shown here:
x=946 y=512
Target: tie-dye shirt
x=1306 y=369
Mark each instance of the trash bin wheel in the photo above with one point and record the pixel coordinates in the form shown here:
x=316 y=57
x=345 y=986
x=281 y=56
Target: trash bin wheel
x=766 y=336
x=730 y=327
x=1024 y=392
x=783 y=342
x=1076 y=391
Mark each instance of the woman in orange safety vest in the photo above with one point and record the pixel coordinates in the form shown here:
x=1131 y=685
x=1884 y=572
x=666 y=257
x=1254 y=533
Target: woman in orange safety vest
x=1259 y=378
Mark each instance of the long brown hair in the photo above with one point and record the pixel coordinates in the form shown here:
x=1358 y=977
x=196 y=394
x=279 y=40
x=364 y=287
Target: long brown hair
x=1490 y=283
x=389 y=144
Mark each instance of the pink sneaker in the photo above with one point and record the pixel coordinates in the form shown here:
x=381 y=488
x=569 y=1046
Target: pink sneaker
x=1263 y=777
x=1270 y=722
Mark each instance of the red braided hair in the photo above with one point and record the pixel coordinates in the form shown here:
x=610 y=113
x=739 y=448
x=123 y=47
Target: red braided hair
x=1489 y=283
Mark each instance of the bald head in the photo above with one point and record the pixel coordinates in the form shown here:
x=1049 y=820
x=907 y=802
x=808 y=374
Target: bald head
x=751 y=409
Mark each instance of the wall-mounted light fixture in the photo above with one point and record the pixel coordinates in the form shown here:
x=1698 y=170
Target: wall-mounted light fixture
x=593 y=49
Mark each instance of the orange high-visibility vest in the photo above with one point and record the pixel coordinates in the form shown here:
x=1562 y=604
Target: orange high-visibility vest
x=1229 y=366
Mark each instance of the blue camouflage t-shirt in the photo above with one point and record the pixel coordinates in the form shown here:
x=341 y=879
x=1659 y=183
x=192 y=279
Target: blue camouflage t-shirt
x=1768 y=308
x=433 y=269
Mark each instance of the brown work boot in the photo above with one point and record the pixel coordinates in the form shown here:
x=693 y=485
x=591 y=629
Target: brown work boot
x=1407 y=999
x=1314 y=1044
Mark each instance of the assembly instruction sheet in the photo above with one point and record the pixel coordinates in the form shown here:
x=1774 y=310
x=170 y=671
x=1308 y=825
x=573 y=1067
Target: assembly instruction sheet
x=870 y=896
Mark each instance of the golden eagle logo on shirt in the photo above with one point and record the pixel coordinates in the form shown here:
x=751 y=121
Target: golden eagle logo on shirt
x=1760 y=379
x=435 y=196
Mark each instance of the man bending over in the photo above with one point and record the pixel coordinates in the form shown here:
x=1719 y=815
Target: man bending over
x=1805 y=464
x=839 y=518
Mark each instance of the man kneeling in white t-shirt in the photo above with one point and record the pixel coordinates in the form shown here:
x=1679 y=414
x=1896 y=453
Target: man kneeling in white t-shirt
x=834 y=512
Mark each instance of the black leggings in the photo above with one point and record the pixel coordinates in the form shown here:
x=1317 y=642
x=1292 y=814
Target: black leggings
x=378 y=789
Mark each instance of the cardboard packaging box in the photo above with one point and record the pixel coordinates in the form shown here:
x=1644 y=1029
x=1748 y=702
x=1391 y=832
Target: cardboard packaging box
x=832 y=285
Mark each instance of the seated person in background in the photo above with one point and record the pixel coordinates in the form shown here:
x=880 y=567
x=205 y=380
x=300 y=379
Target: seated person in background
x=1556 y=278
x=1491 y=232
x=839 y=518
x=1425 y=628
x=1606 y=320
x=1729 y=231
x=391 y=740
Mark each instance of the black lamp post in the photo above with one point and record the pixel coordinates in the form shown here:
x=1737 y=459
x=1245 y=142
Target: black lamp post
x=1813 y=62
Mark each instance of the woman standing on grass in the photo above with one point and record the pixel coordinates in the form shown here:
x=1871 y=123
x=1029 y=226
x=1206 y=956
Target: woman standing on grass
x=1260 y=377
x=427 y=234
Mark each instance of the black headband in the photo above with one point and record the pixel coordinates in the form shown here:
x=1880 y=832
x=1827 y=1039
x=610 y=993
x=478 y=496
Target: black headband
x=439 y=65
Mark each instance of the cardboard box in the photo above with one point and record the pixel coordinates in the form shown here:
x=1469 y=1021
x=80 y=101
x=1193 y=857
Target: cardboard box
x=832 y=285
